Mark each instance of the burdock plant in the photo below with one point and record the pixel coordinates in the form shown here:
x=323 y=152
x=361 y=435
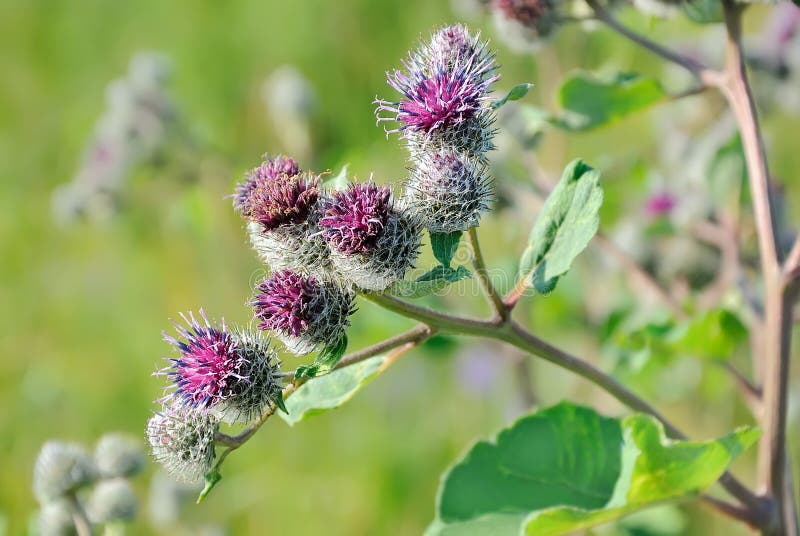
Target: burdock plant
x=555 y=471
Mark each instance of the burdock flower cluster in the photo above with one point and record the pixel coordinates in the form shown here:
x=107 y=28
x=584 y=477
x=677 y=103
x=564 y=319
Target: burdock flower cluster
x=325 y=242
x=70 y=483
x=445 y=117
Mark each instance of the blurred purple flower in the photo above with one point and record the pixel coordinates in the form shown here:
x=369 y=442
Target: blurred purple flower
x=209 y=366
x=477 y=370
x=526 y=12
x=660 y=204
x=355 y=218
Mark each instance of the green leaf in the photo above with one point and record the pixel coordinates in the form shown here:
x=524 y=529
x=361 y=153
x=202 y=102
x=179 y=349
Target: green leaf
x=330 y=391
x=444 y=246
x=516 y=93
x=339 y=182
x=211 y=479
x=714 y=335
x=431 y=282
x=567 y=222
x=567 y=468
x=589 y=102
x=325 y=360
x=703 y=11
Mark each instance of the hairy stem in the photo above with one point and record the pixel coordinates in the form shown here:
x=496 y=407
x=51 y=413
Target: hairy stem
x=411 y=337
x=500 y=308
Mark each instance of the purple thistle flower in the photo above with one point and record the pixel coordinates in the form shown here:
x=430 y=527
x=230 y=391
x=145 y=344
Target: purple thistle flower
x=446 y=82
x=302 y=311
x=284 y=302
x=269 y=170
x=209 y=365
x=355 y=218
x=282 y=201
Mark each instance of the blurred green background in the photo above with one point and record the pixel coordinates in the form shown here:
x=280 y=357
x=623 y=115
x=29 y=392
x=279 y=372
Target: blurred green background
x=83 y=305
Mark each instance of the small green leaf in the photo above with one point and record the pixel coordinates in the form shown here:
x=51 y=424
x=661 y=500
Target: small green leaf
x=330 y=391
x=703 y=11
x=589 y=102
x=715 y=335
x=516 y=93
x=339 y=182
x=211 y=480
x=444 y=246
x=567 y=222
x=279 y=402
x=567 y=468
x=436 y=280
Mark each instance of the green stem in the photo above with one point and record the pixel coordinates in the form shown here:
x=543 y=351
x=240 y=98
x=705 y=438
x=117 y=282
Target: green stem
x=500 y=308
x=514 y=334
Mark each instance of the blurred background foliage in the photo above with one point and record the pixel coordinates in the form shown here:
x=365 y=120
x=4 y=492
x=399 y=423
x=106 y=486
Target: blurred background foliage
x=83 y=305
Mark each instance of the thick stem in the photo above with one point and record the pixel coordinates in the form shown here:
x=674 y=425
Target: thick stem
x=777 y=307
x=500 y=308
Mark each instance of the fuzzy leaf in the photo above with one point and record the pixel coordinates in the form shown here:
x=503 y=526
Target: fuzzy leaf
x=444 y=246
x=516 y=93
x=330 y=391
x=589 y=102
x=431 y=282
x=567 y=468
x=567 y=222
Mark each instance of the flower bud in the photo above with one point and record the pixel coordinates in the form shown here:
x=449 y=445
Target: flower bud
x=182 y=441
x=61 y=468
x=232 y=375
x=303 y=312
x=118 y=455
x=111 y=501
x=449 y=191
x=373 y=242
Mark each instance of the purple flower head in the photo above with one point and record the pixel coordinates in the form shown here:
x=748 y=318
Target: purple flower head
x=659 y=204
x=302 y=311
x=210 y=364
x=354 y=219
x=283 y=302
x=446 y=82
x=269 y=170
x=281 y=201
